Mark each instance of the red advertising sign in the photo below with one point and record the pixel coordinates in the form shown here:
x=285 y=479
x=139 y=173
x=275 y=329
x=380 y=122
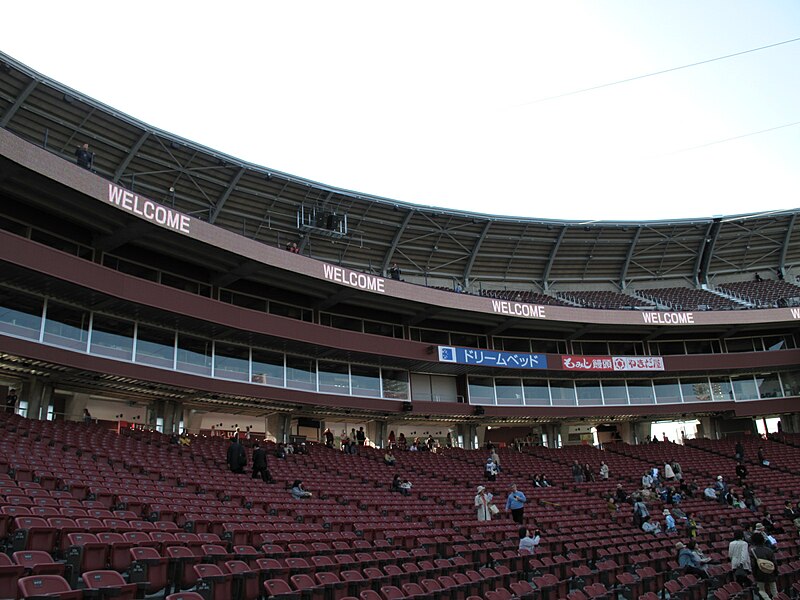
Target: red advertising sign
x=570 y=362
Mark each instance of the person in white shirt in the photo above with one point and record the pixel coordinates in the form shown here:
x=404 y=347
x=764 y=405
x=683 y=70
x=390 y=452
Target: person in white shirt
x=603 y=470
x=528 y=542
x=669 y=474
x=483 y=500
x=738 y=552
x=647 y=480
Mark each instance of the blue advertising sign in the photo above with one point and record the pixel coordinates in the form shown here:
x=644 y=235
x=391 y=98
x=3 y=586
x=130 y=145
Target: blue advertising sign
x=492 y=358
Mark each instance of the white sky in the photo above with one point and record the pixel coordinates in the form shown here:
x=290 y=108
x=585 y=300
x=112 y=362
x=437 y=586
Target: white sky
x=433 y=102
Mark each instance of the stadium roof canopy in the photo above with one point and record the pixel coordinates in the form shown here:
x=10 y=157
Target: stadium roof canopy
x=435 y=246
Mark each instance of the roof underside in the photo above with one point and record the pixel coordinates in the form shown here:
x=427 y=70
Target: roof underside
x=434 y=246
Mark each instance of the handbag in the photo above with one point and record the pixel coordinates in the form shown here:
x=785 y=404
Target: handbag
x=493 y=509
x=765 y=566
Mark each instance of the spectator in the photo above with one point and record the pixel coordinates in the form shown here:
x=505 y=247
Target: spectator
x=768 y=539
x=87 y=417
x=430 y=443
x=763 y=566
x=237 y=458
x=389 y=459
x=741 y=472
x=449 y=441
x=405 y=487
x=649 y=526
x=298 y=491
x=516 y=504
x=669 y=472
x=490 y=470
x=528 y=542
x=11 y=401
x=640 y=511
x=401 y=441
x=483 y=504
x=496 y=458
x=677 y=471
x=391 y=439
x=621 y=495
x=84 y=157
x=691 y=525
x=280 y=451
x=647 y=480
x=691 y=560
x=577 y=472
x=739 y=453
x=328 y=437
x=185 y=440
x=394 y=272
x=361 y=437
x=761 y=459
x=669 y=522
x=545 y=482
x=260 y=468
x=588 y=475
x=292 y=247
x=603 y=470
x=740 y=558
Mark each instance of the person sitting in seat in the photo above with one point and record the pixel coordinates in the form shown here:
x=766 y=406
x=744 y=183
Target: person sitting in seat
x=298 y=491
x=692 y=560
x=649 y=526
x=389 y=459
x=528 y=542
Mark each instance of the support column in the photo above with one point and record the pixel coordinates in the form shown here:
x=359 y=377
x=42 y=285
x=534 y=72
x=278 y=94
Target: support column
x=39 y=394
x=376 y=432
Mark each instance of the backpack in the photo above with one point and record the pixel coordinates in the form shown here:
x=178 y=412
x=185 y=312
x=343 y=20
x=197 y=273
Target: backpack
x=764 y=565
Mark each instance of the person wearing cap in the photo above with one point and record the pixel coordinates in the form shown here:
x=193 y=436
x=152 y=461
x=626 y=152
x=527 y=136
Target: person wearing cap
x=490 y=469
x=483 y=500
x=516 y=504
x=765 y=580
x=669 y=521
x=768 y=539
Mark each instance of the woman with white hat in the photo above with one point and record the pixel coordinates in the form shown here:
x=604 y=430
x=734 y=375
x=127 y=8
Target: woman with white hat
x=483 y=501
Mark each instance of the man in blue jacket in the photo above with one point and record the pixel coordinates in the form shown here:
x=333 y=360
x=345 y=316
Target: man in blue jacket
x=516 y=504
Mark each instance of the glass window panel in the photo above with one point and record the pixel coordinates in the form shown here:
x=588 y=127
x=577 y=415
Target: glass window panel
x=549 y=346
x=194 y=355
x=626 y=348
x=614 y=392
x=721 y=389
x=395 y=384
x=267 y=367
x=112 y=337
x=769 y=386
x=702 y=347
x=54 y=242
x=591 y=348
x=20 y=314
x=124 y=266
x=384 y=329
x=155 y=346
x=243 y=300
x=641 y=391
x=563 y=392
x=334 y=377
x=778 y=342
x=431 y=336
x=667 y=391
x=513 y=344
x=481 y=390
x=348 y=323
x=695 y=389
x=66 y=326
x=739 y=345
x=231 y=361
x=744 y=387
x=366 y=381
x=290 y=311
x=468 y=340
x=791 y=383
x=301 y=373
x=671 y=348
x=537 y=392
x=509 y=391
x=588 y=392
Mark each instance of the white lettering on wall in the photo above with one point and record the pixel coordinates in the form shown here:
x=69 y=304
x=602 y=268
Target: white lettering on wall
x=795 y=313
x=148 y=209
x=668 y=318
x=362 y=281
x=518 y=309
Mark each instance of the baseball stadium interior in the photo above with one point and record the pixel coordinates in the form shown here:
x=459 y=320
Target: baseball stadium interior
x=162 y=302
